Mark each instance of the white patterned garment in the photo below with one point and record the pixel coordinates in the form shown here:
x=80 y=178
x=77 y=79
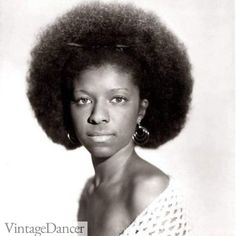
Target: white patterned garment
x=165 y=216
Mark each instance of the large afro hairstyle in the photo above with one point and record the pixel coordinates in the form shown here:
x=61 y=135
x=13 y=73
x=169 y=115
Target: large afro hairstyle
x=91 y=31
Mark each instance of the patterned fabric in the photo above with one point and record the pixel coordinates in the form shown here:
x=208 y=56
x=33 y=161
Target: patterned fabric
x=165 y=216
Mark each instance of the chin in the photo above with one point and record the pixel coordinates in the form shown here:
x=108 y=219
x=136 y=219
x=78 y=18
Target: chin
x=105 y=149
x=101 y=152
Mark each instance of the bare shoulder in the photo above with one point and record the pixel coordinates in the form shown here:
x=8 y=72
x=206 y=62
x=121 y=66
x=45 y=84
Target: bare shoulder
x=148 y=184
x=87 y=189
x=82 y=211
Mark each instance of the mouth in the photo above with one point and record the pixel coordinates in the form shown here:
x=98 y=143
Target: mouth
x=100 y=137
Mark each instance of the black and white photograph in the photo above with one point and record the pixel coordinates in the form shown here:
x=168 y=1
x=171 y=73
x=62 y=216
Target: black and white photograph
x=117 y=118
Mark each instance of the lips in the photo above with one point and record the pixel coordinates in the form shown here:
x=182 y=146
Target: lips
x=100 y=137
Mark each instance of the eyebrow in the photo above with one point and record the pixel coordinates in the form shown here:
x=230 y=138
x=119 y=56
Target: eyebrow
x=116 y=89
x=112 y=90
x=80 y=90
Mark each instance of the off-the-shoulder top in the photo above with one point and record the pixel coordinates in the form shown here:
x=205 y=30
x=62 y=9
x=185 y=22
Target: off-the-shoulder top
x=165 y=216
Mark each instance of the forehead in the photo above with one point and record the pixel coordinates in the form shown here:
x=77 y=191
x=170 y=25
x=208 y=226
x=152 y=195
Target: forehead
x=105 y=76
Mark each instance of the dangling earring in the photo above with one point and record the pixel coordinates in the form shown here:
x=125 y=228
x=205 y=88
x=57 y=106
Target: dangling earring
x=72 y=139
x=141 y=135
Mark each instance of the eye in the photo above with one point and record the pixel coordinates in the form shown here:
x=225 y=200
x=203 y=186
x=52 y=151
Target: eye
x=119 y=99
x=83 y=101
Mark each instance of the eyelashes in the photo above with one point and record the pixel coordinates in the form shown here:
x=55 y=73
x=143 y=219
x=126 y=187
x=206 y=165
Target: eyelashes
x=119 y=100
x=83 y=101
x=87 y=100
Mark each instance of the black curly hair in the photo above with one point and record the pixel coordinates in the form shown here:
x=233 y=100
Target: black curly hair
x=122 y=34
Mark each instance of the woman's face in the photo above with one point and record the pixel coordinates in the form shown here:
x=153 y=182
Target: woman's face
x=105 y=109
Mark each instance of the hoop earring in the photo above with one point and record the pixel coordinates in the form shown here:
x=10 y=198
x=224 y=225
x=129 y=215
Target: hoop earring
x=72 y=139
x=141 y=135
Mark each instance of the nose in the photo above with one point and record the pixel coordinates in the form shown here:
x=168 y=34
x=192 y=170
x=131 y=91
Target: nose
x=99 y=114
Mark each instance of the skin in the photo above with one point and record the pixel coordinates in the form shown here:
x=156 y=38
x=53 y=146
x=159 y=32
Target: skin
x=105 y=110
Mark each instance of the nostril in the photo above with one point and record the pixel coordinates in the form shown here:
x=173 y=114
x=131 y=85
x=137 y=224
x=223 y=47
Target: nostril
x=98 y=115
x=91 y=121
x=97 y=120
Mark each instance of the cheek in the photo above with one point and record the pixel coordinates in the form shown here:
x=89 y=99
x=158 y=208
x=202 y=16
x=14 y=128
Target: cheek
x=79 y=121
x=127 y=122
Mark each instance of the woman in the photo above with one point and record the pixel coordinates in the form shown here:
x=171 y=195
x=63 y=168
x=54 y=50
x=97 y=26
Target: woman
x=111 y=77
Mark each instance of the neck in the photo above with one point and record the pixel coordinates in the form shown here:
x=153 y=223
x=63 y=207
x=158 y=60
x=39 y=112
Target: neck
x=111 y=169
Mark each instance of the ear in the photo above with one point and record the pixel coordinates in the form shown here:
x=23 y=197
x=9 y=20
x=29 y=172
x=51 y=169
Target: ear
x=142 y=109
